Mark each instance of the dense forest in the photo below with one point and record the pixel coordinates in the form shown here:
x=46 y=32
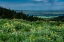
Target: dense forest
x=11 y=14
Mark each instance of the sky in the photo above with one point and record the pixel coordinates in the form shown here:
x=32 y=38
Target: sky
x=33 y=4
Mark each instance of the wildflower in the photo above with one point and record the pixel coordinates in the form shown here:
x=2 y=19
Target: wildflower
x=39 y=28
x=12 y=25
x=49 y=38
x=14 y=30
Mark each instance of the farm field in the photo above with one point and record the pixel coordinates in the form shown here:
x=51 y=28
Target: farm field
x=18 y=30
x=46 y=16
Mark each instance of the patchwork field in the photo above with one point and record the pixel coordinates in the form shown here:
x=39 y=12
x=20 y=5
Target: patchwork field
x=17 y=30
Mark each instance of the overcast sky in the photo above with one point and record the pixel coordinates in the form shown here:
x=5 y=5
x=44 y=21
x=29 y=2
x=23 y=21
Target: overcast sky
x=33 y=4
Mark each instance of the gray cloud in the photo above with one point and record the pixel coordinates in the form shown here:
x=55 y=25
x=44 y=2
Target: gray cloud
x=46 y=5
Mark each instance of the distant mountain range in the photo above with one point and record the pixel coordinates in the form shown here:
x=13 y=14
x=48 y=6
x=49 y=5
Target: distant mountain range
x=43 y=13
x=43 y=10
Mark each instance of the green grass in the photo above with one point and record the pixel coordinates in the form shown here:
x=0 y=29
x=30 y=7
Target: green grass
x=46 y=16
x=18 y=30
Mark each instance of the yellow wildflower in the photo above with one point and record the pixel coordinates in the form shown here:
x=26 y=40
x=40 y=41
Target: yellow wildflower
x=49 y=38
x=39 y=28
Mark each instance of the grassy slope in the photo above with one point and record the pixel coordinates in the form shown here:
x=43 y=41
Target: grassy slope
x=18 y=30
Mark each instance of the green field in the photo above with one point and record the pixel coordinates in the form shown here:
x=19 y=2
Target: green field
x=18 y=30
x=46 y=16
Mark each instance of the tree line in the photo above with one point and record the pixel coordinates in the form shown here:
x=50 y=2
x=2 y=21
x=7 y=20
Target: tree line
x=59 y=18
x=10 y=14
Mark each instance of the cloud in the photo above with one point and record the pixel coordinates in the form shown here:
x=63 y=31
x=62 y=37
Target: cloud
x=46 y=5
x=40 y=0
x=24 y=6
x=51 y=1
x=46 y=1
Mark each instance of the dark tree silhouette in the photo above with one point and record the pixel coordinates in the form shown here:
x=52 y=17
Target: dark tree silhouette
x=10 y=14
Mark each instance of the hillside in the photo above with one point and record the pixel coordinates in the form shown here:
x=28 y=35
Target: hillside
x=18 y=30
x=11 y=14
x=19 y=27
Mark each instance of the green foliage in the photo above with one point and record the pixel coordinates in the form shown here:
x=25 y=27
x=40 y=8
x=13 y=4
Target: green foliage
x=18 y=30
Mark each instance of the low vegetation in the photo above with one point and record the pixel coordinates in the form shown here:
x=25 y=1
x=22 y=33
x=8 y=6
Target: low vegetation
x=17 y=30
